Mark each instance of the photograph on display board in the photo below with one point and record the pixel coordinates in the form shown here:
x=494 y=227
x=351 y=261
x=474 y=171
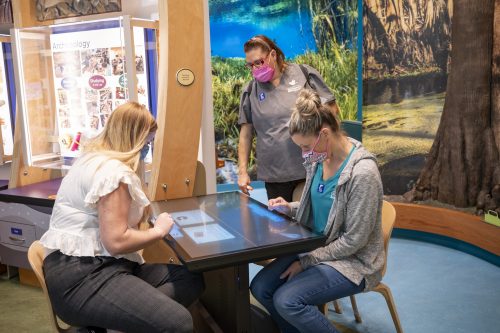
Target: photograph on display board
x=94 y=122
x=96 y=61
x=118 y=60
x=91 y=95
x=141 y=67
x=66 y=64
x=63 y=96
x=139 y=61
x=121 y=93
x=320 y=33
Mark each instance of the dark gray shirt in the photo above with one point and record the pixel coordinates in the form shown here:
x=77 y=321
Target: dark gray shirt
x=268 y=109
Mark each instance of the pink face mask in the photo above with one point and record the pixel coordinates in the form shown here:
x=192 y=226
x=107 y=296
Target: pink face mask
x=264 y=73
x=313 y=156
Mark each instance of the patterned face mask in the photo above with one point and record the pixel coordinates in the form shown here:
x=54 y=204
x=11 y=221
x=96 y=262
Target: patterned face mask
x=313 y=156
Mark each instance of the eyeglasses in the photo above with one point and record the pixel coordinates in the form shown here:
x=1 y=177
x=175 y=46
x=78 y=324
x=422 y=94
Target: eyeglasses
x=256 y=63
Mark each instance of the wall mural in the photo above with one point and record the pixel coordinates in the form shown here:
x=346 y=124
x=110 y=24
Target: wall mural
x=58 y=9
x=431 y=92
x=406 y=46
x=319 y=33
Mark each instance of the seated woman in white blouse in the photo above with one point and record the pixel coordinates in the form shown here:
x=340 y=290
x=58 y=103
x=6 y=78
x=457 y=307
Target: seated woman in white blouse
x=94 y=274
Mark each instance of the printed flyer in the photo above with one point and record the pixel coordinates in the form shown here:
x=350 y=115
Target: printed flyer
x=89 y=69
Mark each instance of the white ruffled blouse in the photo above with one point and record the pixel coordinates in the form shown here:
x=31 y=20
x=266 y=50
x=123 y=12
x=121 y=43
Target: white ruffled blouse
x=74 y=224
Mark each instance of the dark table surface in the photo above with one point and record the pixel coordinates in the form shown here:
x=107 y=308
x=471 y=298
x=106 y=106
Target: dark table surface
x=4 y=183
x=40 y=194
x=226 y=229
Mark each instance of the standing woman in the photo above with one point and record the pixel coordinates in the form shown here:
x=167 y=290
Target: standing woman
x=94 y=273
x=342 y=200
x=266 y=105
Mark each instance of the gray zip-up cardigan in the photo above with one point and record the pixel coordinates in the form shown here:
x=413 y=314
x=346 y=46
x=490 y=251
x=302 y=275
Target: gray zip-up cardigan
x=354 y=245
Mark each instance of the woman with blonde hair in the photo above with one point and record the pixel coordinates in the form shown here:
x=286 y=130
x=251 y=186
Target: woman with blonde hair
x=94 y=273
x=342 y=199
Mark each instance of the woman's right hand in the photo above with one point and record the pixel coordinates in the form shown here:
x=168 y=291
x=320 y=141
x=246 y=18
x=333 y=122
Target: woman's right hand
x=164 y=224
x=281 y=205
x=244 y=183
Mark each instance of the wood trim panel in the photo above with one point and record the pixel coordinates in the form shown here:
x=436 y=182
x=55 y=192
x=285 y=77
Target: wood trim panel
x=445 y=222
x=181 y=40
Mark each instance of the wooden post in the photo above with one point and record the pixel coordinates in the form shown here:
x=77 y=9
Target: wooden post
x=181 y=41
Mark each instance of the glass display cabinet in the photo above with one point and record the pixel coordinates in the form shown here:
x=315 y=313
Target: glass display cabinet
x=70 y=77
x=7 y=97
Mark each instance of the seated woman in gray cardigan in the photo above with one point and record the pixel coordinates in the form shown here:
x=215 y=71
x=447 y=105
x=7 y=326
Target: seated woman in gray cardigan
x=342 y=199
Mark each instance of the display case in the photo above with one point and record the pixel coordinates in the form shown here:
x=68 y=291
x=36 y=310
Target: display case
x=7 y=100
x=70 y=77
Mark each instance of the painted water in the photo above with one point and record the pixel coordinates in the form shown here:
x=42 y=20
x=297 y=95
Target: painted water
x=232 y=23
x=400 y=124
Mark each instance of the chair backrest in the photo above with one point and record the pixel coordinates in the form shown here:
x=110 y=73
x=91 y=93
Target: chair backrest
x=35 y=258
x=297 y=192
x=388 y=220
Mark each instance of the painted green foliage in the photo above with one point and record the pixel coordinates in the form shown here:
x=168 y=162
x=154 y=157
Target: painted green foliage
x=334 y=55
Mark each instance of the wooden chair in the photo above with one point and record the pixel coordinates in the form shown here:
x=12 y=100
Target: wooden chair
x=35 y=257
x=388 y=220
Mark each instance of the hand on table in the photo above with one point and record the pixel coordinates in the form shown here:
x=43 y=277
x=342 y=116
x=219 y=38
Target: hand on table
x=291 y=271
x=244 y=183
x=280 y=204
x=164 y=224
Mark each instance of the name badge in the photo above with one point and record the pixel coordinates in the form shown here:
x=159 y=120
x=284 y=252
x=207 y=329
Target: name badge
x=321 y=188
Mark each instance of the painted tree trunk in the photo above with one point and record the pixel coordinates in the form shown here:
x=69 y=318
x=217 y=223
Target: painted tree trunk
x=463 y=168
x=405 y=36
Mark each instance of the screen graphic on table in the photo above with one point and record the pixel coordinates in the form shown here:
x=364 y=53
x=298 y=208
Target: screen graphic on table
x=226 y=223
x=190 y=221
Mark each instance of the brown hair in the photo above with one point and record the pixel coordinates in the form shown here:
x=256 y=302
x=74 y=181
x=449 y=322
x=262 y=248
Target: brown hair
x=310 y=115
x=266 y=44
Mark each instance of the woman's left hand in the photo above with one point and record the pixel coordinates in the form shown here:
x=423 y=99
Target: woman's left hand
x=291 y=271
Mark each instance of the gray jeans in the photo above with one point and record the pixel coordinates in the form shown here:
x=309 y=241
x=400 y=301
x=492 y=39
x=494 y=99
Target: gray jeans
x=120 y=294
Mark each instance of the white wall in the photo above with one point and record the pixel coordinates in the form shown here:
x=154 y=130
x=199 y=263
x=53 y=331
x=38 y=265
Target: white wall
x=145 y=9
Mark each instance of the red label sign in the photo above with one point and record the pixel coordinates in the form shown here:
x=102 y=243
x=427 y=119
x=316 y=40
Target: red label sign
x=97 y=82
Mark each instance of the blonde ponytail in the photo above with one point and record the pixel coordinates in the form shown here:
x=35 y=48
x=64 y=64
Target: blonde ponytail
x=310 y=115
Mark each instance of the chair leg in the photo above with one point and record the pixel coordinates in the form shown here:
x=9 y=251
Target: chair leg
x=323 y=308
x=357 y=316
x=337 y=307
x=386 y=292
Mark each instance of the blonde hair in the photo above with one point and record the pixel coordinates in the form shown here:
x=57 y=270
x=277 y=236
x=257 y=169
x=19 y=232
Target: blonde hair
x=124 y=135
x=122 y=139
x=310 y=115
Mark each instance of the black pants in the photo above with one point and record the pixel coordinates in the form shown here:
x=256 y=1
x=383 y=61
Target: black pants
x=284 y=190
x=120 y=294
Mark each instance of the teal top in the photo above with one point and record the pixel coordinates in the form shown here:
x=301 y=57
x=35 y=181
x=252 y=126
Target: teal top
x=323 y=194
